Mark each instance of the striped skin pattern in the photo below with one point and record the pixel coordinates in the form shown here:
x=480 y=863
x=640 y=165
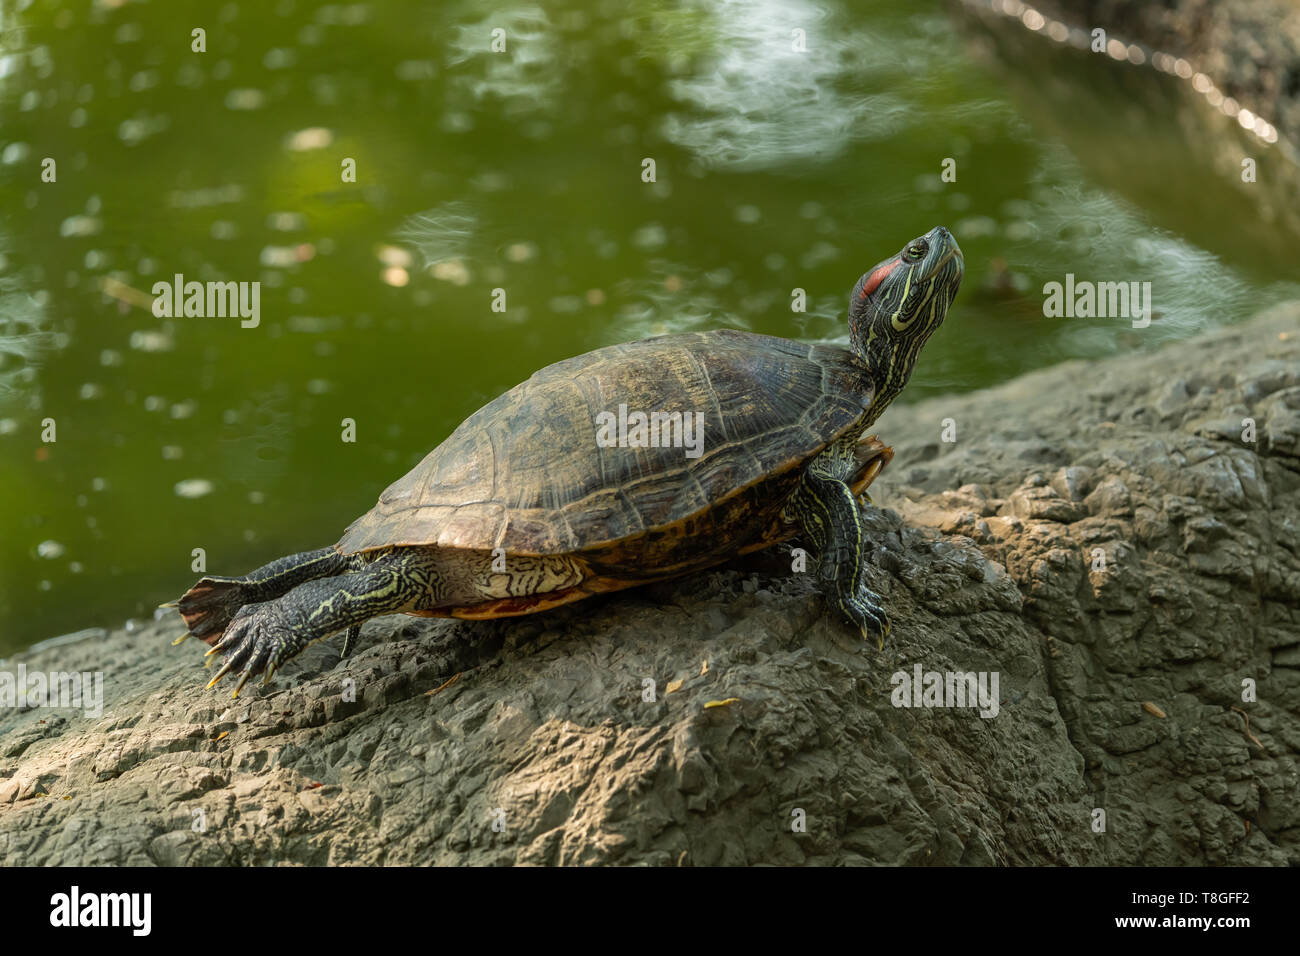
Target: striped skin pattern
x=208 y=607
x=831 y=518
x=522 y=479
x=262 y=635
x=889 y=325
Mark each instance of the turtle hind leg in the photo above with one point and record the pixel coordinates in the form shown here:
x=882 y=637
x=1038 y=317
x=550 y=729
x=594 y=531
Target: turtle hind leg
x=826 y=508
x=261 y=637
x=210 y=605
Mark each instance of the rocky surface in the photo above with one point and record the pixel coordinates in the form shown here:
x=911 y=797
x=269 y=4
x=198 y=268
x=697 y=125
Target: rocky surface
x=1121 y=734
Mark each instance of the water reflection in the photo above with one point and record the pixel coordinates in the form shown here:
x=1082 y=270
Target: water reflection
x=794 y=143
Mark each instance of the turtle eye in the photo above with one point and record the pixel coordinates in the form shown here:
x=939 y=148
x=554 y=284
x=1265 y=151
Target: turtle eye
x=916 y=250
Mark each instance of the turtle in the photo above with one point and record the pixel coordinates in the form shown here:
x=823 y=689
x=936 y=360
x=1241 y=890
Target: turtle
x=633 y=463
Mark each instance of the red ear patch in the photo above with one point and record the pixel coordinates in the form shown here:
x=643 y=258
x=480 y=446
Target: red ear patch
x=877 y=277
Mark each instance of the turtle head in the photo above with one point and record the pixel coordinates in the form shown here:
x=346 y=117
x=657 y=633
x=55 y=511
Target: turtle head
x=897 y=305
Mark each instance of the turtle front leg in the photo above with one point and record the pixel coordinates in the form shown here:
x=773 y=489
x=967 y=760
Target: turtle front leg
x=263 y=636
x=210 y=605
x=826 y=508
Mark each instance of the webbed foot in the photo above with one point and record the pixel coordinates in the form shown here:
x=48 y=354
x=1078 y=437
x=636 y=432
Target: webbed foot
x=211 y=604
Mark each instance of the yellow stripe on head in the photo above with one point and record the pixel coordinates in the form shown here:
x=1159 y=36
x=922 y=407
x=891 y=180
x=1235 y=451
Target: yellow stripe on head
x=902 y=301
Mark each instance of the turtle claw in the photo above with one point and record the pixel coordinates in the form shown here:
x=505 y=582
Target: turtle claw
x=225 y=669
x=864 y=610
x=243 y=679
x=350 y=641
x=182 y=639
x=257 y=641
x=875 y=636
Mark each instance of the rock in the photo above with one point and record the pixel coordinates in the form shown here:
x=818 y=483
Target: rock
x=1110 y=497
x=1096 y=563
x=1036 y=500
x=1282 y=422
x=1251 y=48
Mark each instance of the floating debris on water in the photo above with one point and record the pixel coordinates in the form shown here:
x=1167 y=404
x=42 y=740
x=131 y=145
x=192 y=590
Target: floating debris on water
x=193 y=488
x=282 y=257
x=394 y=256
x=453 y=271
x=315 y=137
x=78 y=226
x=14 y=153
x=198 y=198
x=152 y=340
x=245 y=100
x=286 y=221
x=651 y=236
x=50 y=550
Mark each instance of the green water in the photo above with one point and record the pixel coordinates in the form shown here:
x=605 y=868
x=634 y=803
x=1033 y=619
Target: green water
x=522 y=171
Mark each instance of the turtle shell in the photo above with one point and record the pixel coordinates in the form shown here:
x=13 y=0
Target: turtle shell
x=526 y=473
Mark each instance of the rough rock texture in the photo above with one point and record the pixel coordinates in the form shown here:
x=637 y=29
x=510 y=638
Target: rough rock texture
x=1121 y=690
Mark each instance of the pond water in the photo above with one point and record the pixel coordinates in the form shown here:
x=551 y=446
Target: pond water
x=776 y=169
